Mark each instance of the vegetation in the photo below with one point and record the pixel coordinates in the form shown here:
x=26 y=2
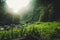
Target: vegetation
x=41 y=19
x=43 y=31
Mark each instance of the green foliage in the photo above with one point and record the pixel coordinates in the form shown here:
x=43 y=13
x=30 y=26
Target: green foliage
x=40 y=30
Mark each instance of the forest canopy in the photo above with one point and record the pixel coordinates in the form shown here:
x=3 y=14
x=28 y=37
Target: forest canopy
x=43 y=10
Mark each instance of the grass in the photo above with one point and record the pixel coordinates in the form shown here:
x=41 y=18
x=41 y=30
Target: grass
x=43 y=30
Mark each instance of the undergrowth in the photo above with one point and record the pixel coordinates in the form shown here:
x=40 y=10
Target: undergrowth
x=36 y=31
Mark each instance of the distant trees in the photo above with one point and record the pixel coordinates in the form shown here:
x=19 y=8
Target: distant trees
x=48 y=10
x=7 y=18
x=44 y=10
x=51 y=12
